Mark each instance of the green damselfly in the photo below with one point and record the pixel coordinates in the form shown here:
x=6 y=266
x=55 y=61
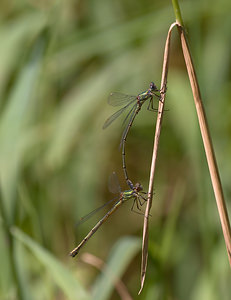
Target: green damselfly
x=136 y=102
x=114 y=187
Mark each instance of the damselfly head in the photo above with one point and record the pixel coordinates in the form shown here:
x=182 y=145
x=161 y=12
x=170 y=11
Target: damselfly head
x=153 y=87
x=138 y=187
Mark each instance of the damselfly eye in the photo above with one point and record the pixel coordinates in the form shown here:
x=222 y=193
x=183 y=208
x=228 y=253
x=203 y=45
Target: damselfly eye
x=153 y=86
x=138 y=187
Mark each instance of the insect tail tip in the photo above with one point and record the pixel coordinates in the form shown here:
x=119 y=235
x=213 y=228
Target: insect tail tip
x=72 y=254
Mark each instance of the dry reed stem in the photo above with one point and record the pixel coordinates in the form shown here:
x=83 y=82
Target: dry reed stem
x=213 y=169
x=211 y=159
x=154 y=156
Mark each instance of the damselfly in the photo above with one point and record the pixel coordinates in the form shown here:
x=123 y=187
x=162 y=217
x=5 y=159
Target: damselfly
x=114 y=187
x=136 y=102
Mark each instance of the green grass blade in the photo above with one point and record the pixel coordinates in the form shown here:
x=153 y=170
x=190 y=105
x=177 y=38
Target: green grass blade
x=15 y=36
x=63 y=278
x=15 y=127
x=122 y=254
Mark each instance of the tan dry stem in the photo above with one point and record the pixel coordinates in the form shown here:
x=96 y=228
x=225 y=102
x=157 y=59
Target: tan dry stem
x=211 y=159
x=154 y=156
x=213 y=169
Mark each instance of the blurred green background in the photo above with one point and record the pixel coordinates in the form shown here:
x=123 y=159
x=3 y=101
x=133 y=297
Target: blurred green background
x=59 y=60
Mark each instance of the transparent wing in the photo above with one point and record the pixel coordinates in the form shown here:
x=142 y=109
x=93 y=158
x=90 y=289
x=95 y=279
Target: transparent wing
x=118 y=99
x=131 y=112
x=113 y=184
x=115 y=115
x=93 y=212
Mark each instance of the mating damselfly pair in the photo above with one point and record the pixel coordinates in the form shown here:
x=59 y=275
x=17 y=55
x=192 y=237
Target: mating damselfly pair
x=134 y=103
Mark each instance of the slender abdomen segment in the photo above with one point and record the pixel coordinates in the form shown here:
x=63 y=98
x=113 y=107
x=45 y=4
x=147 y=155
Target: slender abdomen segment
x=74 y=252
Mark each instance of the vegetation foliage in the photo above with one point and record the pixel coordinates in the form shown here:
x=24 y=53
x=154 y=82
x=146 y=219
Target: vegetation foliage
x=59 y=60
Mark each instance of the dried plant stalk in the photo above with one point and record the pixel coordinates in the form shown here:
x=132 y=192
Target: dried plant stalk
x=213 y=169
x=211 y=159
x=154 y=156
